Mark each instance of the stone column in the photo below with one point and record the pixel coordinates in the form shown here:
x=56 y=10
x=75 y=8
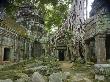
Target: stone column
x=100 y=48
x=1 y=49
x=30 y=50
x=1 y=54
x=91 y=48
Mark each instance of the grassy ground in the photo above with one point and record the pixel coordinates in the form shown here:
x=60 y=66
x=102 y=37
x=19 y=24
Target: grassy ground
x=17 y=70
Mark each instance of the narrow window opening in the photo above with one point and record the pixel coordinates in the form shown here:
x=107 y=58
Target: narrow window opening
x=6 y=54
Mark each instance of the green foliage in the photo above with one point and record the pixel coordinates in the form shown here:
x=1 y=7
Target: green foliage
x=10 y=9
x=9 y=74
x=27 y=67
x=54 y=17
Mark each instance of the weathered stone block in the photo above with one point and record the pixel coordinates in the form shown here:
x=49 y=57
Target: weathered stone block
x=59 y=77
x=102 y=69
x=99 y=77
x=36 y=77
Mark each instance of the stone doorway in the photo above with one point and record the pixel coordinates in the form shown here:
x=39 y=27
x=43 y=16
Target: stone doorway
x=92 y=51
x=108 y=47
x=37 y=49
x=61 y=55
x=6 y=54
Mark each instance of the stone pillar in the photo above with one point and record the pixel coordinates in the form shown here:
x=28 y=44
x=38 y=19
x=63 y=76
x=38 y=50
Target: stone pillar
x=67 y=56
x=1 y=54
x=100 y=48
x=30 y=46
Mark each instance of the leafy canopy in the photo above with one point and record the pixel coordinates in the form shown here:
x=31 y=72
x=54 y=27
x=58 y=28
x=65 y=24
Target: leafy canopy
x=54 y=11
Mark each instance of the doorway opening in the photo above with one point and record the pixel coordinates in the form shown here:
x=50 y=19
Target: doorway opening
x=6 y=54
x=107 y=47
x=61 y=55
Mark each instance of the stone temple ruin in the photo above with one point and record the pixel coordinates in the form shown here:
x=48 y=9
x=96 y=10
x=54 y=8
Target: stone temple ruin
x=82 y=39
x=18 y=38
x=85 y=38
x=96 y=35
x=79 y=37
x=82 y=45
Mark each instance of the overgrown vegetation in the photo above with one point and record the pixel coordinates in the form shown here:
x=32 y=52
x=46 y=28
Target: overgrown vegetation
x=54 y=11
x=44 y=65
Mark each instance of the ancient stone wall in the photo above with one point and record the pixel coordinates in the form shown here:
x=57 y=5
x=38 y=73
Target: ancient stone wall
x=13 y=41
x=14 y=44
x=31 y=18
x=97 y=28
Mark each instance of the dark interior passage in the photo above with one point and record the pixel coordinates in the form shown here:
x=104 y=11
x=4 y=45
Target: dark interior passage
x=6 y=54
x=108 y=47
x=61 y=55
